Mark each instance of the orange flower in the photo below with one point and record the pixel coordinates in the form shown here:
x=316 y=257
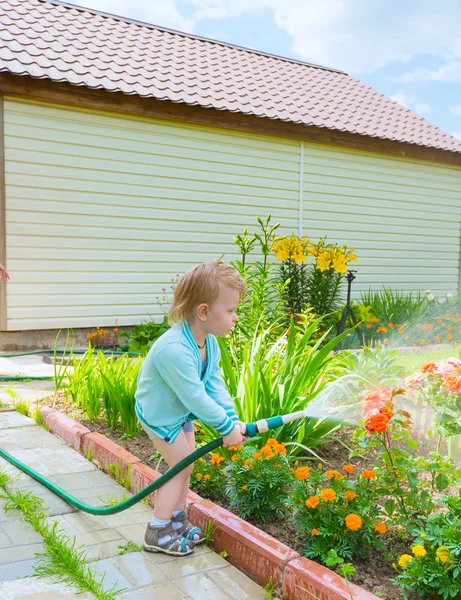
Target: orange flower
x=348 y=468
x=248 y=463
x=302 y=472
x=380 y=527
x=328 y=495
x=353 y=522
x=386 y=411
x=271 y=442
x=449 y=336
x=391 y=325
x=349 y=495
x=368 y=326
x=428 y=367
x=312 y=502
x=216 y=459
x=368 y=474
x=267 y=451
x=257 y=455
x=452 y=383
x=206 y=477
x=245 y=488
x=315 y=531
x=280 y=448
x=235 y=457
x=334 y=474
x=377 y=423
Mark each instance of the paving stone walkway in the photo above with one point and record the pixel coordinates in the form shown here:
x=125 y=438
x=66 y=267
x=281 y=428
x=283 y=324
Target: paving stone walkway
x=202 y=576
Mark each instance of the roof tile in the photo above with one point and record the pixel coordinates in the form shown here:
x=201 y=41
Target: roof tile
x=51 y=40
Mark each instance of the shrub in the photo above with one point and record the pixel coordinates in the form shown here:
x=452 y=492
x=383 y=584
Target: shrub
x=209 y=477
x=259 y=481
x=142 y=336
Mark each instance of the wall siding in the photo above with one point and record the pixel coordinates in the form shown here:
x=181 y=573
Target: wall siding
x=102 y=211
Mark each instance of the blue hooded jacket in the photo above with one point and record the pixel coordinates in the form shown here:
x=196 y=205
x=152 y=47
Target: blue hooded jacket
x=171 y=389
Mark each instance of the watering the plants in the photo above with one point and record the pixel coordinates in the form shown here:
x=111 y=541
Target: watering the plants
x=181 y=381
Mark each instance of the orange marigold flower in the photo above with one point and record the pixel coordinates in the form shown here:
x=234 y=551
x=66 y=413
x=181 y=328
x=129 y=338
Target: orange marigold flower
x=216 y=459
x=348 y=468
x=353 y=522
x=271 y=442
x=449 y=336
x=368 y=474
x=391 y=325
x=206 y=477
x=280 y=449
x=380 y=527
x=315 y=531
x=302 y=472
x=368 y=326
x=312 y=502
x=328 y=495
x=349 y=495
x=235 y=457
x=245 y=488
x=248 y=463
x=333 y=474
x=377 y=423
x=267 y=451
x=257 y=455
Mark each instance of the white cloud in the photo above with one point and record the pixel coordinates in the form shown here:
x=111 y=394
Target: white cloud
x=451 y=71
x=163 y=13
x=456 y=134
x=359 y=36
x=456 y=110
x=402 y=99
x=422 y=109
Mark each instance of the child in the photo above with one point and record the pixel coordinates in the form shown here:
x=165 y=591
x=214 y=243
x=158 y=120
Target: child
x=180 y=381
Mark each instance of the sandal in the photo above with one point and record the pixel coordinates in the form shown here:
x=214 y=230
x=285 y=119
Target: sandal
x=175 y=545
x=188 y=531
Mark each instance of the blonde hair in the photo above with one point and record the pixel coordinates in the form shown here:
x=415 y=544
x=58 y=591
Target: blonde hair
x=202 y=284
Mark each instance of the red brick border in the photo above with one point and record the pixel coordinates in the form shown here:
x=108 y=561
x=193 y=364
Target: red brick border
x=253 y=551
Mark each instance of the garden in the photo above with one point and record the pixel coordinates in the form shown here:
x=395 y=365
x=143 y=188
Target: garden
x=369 y=484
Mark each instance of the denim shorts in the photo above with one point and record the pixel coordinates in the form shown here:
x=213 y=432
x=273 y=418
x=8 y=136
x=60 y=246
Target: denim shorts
x=187 y=427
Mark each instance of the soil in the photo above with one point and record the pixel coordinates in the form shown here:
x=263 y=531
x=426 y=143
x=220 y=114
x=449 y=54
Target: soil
x=373 y=574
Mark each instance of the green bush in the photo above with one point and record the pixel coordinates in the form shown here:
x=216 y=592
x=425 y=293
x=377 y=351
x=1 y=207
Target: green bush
x=142 y=336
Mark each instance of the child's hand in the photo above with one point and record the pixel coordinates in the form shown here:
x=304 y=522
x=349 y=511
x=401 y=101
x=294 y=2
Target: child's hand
x=243 y=430
x=234 y=438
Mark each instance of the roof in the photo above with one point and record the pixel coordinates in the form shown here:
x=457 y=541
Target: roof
x=66 y=43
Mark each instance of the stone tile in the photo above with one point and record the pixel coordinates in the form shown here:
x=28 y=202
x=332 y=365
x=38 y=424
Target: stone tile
x=98 y=537
x=84 y=523
x=17 y=570
x=98 y=478
x=18 y=553
x=4 y=540
x=138 y=570
x=21 y=533
x=63 y=526
x=74 y=482
x=11 y=514
x=30 y=438
x=236 y=584
x=54 y=461
x=200 y=587
x=179 y=567
x=131 y=516
x=112 y=576
x=12 y=419
x=103 y=550
x=160 y=591
x=43 y=588
x=134 y=533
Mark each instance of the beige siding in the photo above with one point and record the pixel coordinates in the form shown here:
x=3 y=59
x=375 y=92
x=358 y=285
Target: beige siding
x=102 y=211
x=403 y=217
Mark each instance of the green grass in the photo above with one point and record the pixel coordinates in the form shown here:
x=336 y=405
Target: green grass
x=113 y=499
x=413 y=361
x=121 y=475
x=61 y=558
x=18 y=401
x=129 y=547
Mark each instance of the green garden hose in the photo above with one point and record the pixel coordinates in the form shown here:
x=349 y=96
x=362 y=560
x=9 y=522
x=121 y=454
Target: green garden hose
x=252 y=430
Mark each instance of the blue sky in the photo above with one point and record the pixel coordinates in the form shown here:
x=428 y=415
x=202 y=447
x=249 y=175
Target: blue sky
x=409 y=51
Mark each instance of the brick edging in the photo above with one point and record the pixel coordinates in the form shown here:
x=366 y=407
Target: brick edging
x=253 y=551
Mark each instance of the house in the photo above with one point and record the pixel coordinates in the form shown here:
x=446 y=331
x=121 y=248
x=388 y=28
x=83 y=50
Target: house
x=130 y=152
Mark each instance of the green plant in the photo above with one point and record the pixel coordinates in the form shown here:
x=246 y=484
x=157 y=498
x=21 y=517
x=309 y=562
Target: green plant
x=336 y=511
x=60 y=368
x=130 y=546
x=142 y=336
x=38 y=418
x=209 y=478
x=209 y=530
x=346 y=570
x=259 y=481
x=121 y=474
x=395 y=306
x=433 y=569
x=61 y=558
x=282 y=376
x=270 y=589
x=18 y=401
x=113 y=499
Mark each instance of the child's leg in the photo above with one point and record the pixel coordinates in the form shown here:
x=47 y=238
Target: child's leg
x=179 y=518
x=172 y=494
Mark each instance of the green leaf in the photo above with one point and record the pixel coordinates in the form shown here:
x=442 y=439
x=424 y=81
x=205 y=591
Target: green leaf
x=441 y=482
x=389 y=507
